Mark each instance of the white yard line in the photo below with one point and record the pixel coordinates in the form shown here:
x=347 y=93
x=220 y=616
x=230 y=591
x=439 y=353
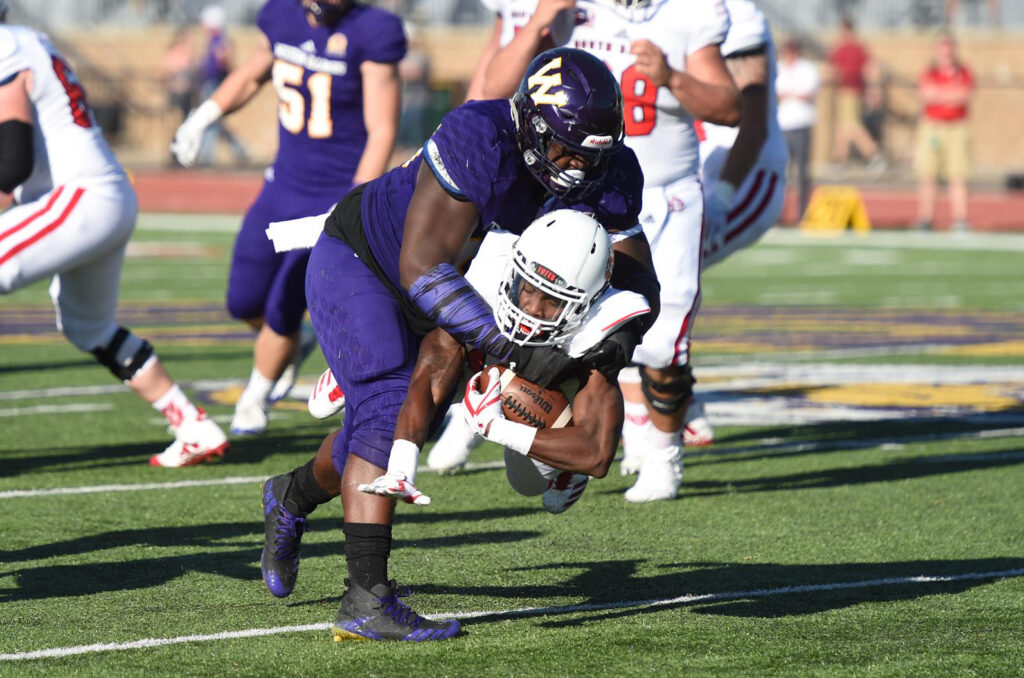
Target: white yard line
x=498 y=615
x=55 y=409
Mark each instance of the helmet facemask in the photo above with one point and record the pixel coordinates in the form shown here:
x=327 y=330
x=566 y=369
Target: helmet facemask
x=327 y=13
x=559 y=265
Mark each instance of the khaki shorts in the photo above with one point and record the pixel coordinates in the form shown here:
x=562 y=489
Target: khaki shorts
x=943 y=149
x=847 y=109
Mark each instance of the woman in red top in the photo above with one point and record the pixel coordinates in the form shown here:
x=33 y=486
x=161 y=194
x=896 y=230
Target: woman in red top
x=943 y=135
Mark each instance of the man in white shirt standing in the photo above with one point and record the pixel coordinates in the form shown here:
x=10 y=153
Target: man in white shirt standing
x=797 y=86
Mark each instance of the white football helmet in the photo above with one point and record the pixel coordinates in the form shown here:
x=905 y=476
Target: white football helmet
x=633 y=10
x=559 y=265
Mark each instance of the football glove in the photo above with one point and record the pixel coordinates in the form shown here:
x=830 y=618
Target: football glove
x=544 y=365
x=189 y=137
x=481 y=405
x=395 y=484
x=615 y=351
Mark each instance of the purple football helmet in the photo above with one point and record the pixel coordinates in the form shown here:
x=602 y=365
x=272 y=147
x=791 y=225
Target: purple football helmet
x=327 y=13
x=570 y=97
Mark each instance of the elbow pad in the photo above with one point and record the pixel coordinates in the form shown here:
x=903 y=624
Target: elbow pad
x=16 y=154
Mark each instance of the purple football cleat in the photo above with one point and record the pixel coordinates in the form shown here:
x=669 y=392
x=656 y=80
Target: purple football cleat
x=379 y=614
x=280 y=558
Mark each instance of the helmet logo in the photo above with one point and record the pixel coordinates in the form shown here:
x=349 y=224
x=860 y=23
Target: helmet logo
x=544 y=81
x=547 y=274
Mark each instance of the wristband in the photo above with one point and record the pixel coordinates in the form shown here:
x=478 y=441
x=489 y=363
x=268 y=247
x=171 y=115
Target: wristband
x=405 y=455
x=511 y=434
x=208 y=113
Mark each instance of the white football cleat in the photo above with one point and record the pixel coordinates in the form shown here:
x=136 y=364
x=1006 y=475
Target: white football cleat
x=195 y=440
x=283 y=386
x=451 y=451
x=250 y=417
x=326 y=399
x=660 y=476
x=564 y=491
x=697 y=429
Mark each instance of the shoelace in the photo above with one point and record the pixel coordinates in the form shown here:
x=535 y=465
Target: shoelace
x=393 y=607
x=289 y=529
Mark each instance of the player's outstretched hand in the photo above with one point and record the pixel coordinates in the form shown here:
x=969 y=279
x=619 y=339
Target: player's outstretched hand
x=482 y=404
x=189 y=137
x=544 y=365
x=395 y=485
x=615 y=351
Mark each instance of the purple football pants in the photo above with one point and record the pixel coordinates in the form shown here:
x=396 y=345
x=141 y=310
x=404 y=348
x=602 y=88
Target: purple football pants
x=368 y=346
x=263 y=282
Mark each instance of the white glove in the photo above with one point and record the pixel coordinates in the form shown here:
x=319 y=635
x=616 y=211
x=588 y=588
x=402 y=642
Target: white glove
x=717 y=204
x=189 y=137
x=395 y=484
x=483 y=407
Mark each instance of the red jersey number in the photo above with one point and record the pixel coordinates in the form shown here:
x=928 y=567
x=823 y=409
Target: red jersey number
x=638 y=96
x=76 y=95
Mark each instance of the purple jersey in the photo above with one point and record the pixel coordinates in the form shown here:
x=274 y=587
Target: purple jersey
x=319 y=86
x=475 y=157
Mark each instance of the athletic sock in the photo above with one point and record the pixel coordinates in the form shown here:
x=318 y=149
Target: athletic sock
x=176 y=406
x=304 y=493
x=258 y=387
x=367 y=548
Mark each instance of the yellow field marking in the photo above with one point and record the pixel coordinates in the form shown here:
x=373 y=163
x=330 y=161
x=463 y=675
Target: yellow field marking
x=986 y=397
x=1007 y=349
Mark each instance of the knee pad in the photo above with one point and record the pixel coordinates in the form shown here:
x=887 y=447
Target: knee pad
x=668 y=396
x=124 y=355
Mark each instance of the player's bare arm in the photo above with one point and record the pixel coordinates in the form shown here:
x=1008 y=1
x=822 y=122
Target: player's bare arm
x=506 y=69
x=437 y=228
x=382 y=93
x=241 y=84
x=705 y=88
x=750 y=72
x=16 y=145
x=476 y=83
x=588 y=446
x=437 y=371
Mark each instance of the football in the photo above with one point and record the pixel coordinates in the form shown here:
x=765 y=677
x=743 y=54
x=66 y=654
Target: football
x=527 y=403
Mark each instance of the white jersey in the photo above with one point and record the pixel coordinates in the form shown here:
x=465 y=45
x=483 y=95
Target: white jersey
x=748 y=31
x=68 y=144
x=658 y=128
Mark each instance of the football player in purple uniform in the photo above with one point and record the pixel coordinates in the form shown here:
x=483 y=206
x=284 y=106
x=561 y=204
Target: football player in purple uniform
x=383 y=274
x=333 y=64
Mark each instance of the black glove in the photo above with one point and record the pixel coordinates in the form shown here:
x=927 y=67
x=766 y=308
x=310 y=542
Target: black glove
x=615 y=351
x=544 y=365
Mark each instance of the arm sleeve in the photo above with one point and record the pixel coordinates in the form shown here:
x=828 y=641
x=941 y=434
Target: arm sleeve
x=748 y=30
x=16 y=154
x=385 y=43
x=462 y=159
x=711 y=25
x=12 y=59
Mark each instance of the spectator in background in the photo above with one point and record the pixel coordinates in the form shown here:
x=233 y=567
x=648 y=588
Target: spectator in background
x=414 y=70
x=178 y=74
x=994 y=13
x=848 y=61
x=215 y=66
x=943 y=135
x=797 y=85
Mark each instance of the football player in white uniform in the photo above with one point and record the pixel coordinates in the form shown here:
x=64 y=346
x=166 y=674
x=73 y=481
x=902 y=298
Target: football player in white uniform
x=665 y=54
x=74 y=212
x=744 y=167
